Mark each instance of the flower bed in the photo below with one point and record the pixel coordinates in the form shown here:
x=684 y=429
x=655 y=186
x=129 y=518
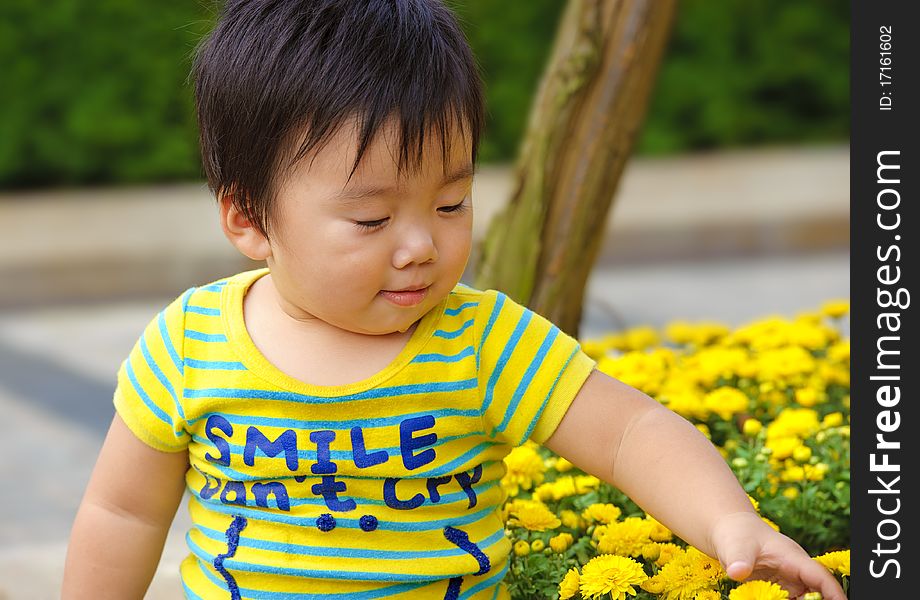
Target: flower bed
x=772 y=395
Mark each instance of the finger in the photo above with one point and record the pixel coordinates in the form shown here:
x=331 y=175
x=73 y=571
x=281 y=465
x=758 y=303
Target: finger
x=738 y=557
x=816 y=577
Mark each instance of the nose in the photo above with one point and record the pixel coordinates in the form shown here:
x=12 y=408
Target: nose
x=417 y=246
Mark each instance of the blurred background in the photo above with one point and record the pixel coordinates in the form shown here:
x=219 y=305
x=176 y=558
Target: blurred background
x=735 y=205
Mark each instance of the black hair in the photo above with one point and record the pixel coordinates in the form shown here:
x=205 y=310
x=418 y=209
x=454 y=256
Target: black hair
x=273 y=74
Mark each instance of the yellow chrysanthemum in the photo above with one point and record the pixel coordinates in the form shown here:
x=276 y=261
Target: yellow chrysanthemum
x=658 y=532
x=751 y=427
x=708 y=595
x=562 y=542
x=564 y=466
x=770 y=523
x=782 y=448
x=711 y=364
x=640 y=338
x=571 y=519
x=835 y=308
x=521 y=548
x=758 y=590
x=533 y=516
x=525 y=469
x=687 y=402
x=684 y=576
x=601 y=513
x=609 y=574
x=642 y=370
x=568 y=587
x=666 y=552
x=726 y=402
x=800 y=422
x=839 y=352
x=838 y=562
x=626 y=538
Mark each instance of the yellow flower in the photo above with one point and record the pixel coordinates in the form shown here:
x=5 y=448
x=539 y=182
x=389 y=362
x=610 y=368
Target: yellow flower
x=642 y=370
x=726 y=401
x=686 y=574
x=838 y=562
x=666 y=552
x=833 y=419
x=651 y=552
x=808 y=396
x=525 y=468
x=835 y=308
x=791 y=492
x=521 y=548
x=782 y=447
x=568 y=587
x=640 y=338
x=586 y=483
x=609 y=574
x=601 y=513
x=801 y=454
x=708 y=595
x=793 y=474
x=560 y=543
x=754 y=502
x=537 y=545
x=563 y=466
x=758 y=590
x=626 y=538
x=751 y=427
x=571 y=519
x=658 y=532
x=839 y=352
x=533 y=516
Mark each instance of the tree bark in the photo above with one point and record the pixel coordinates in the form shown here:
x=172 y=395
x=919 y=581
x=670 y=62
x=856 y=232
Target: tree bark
x=582 y=128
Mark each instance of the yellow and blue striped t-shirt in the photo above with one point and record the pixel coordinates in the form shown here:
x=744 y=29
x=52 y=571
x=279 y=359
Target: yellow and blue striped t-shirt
x=385 y=488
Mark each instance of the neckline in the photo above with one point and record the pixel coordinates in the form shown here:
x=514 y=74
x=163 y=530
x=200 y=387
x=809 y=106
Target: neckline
x=238 y=338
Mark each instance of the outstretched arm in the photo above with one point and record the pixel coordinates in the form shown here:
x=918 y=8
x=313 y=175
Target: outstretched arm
x=672 y=471
x=124 y=517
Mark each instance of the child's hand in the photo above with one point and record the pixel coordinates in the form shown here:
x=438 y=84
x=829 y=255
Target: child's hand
x=748 y=548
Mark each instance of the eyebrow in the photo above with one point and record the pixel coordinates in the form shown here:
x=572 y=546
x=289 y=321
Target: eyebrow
x=356 y=194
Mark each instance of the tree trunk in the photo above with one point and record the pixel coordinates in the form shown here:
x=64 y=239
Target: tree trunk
x=583 y=124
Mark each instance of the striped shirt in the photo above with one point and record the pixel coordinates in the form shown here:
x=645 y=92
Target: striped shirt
x=384 y=488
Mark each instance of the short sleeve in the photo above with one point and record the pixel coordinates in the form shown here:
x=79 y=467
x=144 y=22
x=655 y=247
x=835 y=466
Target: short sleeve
x=148 y=396
x=528 y=370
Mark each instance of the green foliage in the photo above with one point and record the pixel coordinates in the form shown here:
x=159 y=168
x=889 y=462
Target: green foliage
x=752 y=72
x=97 y=91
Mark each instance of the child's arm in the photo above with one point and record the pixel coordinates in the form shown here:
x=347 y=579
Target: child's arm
x=673 y=472
x=121 y=525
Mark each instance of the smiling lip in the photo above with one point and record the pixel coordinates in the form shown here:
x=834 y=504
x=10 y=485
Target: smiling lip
x=405 y=297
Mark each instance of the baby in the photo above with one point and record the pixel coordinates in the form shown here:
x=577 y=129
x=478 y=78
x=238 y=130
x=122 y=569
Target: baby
x=339 y=418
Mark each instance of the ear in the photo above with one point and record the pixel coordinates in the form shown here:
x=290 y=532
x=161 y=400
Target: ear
x=241 y=232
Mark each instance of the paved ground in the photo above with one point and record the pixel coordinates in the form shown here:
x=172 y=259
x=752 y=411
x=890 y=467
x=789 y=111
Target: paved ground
x=742 y=244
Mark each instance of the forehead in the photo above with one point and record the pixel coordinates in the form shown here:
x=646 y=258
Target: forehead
x=330 y=165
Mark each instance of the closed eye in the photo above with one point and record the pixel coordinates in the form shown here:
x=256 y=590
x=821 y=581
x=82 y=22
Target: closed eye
x=458 y=208
x=455 y=208
x=371 y=225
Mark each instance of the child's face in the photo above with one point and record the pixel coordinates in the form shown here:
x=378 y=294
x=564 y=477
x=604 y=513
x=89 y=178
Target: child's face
x=340 y=249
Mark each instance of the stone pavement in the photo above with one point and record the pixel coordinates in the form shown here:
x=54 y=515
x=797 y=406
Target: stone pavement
x=728 y=237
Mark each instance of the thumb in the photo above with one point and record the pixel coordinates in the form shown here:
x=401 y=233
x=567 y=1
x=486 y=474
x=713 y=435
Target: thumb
x=738 y=557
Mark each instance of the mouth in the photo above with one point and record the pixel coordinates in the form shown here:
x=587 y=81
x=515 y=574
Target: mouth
x=410 y=296
x=414 y=288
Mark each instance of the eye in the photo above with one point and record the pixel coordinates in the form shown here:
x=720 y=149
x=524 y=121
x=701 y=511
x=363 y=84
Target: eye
x=456 y=208
x=371 y=225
